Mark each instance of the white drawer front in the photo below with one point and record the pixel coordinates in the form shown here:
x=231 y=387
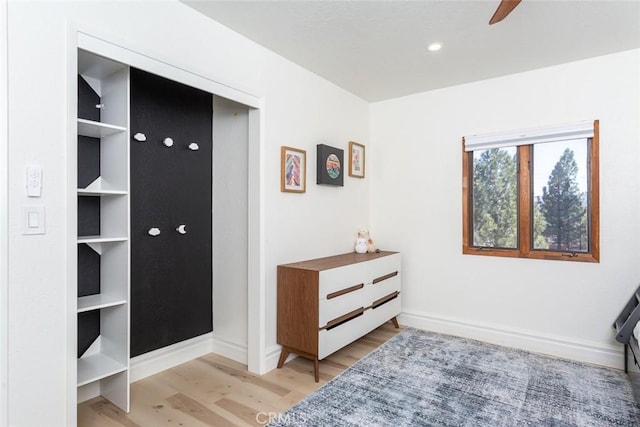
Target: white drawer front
x=382 y=266
x=332 y=340
x=365 y=272
x=381 y=289
x=385 y=311
x=342 y=277
x=341 y=305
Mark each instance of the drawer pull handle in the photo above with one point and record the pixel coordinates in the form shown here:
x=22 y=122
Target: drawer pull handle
x=343 y=319
x=377 y=303
x=385 y=277
x=345 y=291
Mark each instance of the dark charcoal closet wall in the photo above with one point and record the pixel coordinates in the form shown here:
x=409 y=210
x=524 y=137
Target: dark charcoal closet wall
x=171 y=274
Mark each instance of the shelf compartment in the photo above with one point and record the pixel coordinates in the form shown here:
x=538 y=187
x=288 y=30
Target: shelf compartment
x=103 y=163
x=94 y=129
x=98 y=301
x=103 y=279
x=110 y=81
x=108 y=353
x=102 y=217
x=96 y=367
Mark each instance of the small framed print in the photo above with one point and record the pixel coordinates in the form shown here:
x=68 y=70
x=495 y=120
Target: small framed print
x=356 y=160
x=330 y=165
x=293 y=164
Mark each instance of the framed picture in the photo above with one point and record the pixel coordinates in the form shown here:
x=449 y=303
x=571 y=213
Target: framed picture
x=356 y=160
x=293 y=176
x=330 y=165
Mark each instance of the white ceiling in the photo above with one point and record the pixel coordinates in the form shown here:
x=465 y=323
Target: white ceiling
x=378 y=49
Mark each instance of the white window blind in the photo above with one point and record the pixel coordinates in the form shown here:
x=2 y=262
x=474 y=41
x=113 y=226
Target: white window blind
x=565 y=132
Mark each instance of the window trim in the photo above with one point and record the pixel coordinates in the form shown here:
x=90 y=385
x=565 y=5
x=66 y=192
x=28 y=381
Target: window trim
x=525 y=209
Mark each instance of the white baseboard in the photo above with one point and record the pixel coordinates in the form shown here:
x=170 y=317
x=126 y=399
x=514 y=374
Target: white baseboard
x=164 y=358
x=582 y=351
x=230 y=350
x=273 y=354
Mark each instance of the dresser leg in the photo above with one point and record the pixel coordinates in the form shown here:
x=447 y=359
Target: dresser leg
x=395 y=322
x=316 y=369
x=283 y=356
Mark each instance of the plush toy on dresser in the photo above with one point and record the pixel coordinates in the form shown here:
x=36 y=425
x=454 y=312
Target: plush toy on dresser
x=361 y=245
x=364 y=243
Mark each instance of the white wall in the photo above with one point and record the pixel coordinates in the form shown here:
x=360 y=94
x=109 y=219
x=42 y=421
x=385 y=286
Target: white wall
x=301 y=110
x=557 y=307
x=230 y=224
x=3 y=214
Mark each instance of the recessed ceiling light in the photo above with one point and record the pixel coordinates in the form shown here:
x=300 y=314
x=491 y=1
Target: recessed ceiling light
x=433 y=47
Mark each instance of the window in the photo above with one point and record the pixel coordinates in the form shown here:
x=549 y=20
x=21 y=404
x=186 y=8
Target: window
x=532 y=193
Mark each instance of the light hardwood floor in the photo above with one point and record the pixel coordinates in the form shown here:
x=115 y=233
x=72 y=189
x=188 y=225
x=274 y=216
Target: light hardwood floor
x=215 y=391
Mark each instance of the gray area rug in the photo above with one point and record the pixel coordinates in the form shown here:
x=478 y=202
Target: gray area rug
x=421 y=378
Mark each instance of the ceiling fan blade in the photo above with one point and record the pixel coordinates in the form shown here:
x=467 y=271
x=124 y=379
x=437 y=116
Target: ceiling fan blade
x=504 y=8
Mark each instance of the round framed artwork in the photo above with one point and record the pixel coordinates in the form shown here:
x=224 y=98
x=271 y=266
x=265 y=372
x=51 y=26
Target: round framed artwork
x=330 y=165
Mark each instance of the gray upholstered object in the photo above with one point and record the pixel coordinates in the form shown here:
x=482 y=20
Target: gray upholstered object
x=421 y=378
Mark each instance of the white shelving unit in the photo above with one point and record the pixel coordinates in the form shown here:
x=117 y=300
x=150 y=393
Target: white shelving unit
x=104 y=367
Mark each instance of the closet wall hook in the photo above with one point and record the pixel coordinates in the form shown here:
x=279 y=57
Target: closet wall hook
x=193 y=146
x=154 y=231
x=140 y=137
x=168 y=142
x=181 y=229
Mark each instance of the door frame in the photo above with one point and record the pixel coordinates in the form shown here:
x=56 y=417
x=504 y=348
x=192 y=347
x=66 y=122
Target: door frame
x=128 y=53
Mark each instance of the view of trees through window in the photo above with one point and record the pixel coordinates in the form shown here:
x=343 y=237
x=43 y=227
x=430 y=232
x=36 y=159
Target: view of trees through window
x=495 y=198
x=559 y=197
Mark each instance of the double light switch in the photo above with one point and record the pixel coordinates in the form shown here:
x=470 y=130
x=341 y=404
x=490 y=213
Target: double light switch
x=33 y=217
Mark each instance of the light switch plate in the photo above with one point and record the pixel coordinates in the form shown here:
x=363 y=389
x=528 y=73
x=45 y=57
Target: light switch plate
x=33 y=220
x=34 y=181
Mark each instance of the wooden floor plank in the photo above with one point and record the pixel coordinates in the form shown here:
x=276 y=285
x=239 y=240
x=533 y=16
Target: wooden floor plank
x=249 y=415
x=288 y=401
x=108 y=410
x=217 y=384
x=198 y=411
x=215 y=391
x=164 y=413
x=246 y=376
x=95 y=418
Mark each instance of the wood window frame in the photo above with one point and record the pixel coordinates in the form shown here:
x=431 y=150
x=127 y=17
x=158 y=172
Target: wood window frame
x=525 y=210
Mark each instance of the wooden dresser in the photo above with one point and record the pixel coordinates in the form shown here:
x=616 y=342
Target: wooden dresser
x=326 y=303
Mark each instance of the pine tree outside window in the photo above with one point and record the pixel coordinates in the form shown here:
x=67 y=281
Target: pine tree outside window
x=533 y=193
